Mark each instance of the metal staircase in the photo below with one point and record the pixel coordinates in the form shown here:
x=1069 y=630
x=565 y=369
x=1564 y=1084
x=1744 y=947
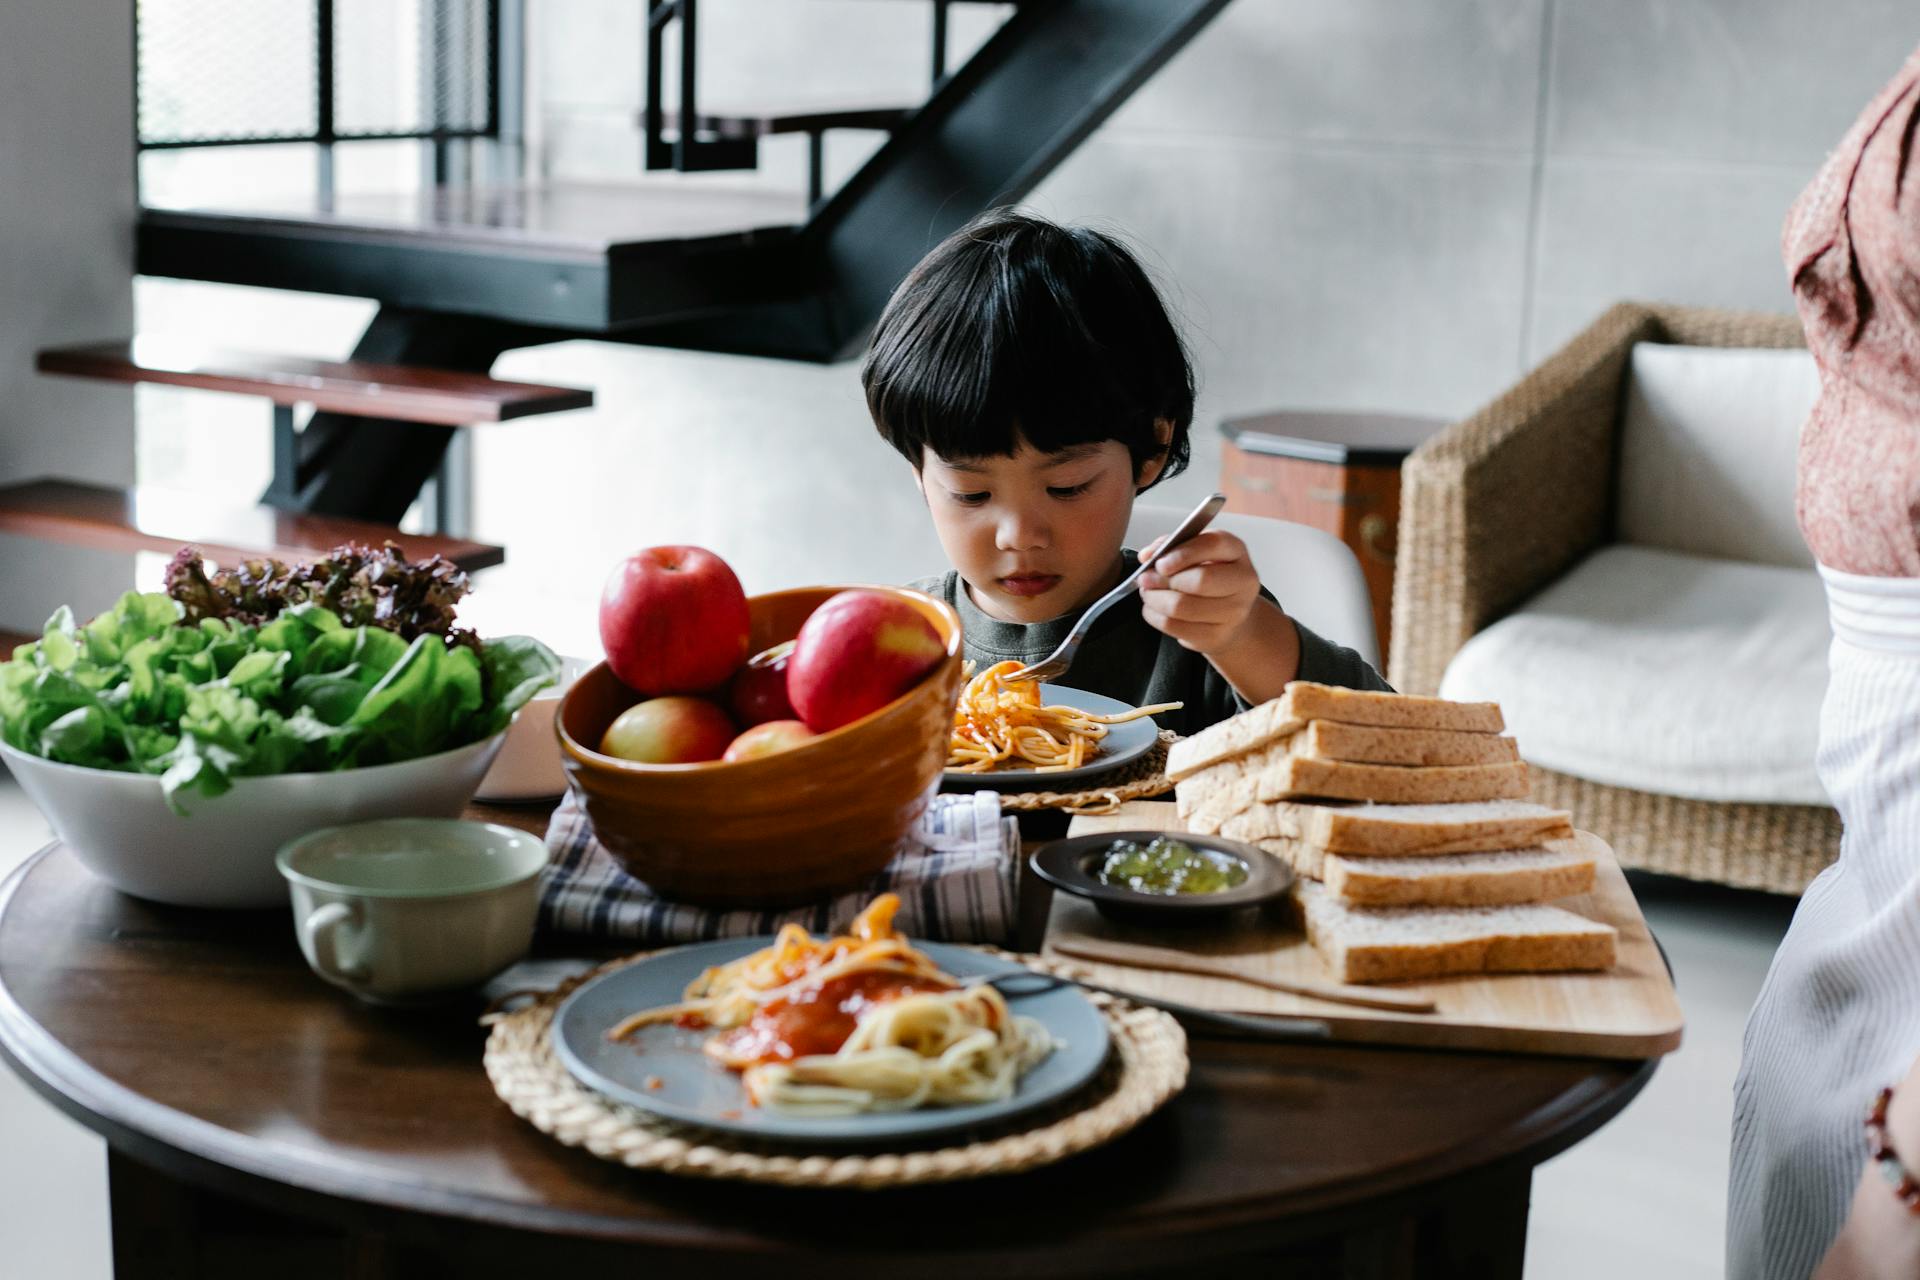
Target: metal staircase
x=466 y=270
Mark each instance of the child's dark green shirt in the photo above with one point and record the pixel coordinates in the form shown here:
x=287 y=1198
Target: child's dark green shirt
x=1124 y=658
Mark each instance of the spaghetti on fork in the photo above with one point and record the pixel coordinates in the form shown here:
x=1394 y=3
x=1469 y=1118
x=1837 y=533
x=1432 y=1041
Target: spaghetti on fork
x=999 y=722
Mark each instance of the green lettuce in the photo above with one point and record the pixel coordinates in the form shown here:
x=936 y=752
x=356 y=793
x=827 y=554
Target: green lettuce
x=140 y=689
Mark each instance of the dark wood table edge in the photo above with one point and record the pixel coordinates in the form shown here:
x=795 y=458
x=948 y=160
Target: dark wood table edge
x=205 y=1154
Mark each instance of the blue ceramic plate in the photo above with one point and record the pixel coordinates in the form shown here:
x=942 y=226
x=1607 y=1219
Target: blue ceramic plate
x=694 y=1089
x=1124 y=743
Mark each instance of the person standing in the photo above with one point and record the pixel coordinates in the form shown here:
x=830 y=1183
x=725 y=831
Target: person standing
x=1839 y=1016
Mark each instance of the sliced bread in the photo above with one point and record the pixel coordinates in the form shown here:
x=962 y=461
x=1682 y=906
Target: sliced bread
x=1308 y=860
x=1303 y=701
x=1536 y=874
x=1232 y=737
x=1201 y=822
x=1393 y=944
x=1370 y=744
x=1391 y=710
x=1202 y=805
x=1272 y=774
x=1386 y=830
x=1460 y=879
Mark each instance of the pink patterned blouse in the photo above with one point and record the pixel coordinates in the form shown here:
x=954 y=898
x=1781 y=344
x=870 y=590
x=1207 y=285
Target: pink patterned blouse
x=1852 y=246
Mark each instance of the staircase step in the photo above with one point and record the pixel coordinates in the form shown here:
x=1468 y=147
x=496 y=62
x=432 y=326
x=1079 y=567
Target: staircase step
x=150 y=519
x=409 y=393
x=761 y=124
x=580 y=256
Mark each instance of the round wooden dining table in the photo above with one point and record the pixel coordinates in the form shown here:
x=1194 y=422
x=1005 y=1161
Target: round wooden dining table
x=260 y=1123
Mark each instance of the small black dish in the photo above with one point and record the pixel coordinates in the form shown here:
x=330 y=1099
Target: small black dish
x=1072 y=865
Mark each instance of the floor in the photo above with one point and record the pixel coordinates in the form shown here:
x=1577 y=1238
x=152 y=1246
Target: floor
x=1662 y=1165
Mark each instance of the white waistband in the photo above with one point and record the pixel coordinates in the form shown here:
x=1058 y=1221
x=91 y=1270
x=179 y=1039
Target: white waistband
x=1874 y=613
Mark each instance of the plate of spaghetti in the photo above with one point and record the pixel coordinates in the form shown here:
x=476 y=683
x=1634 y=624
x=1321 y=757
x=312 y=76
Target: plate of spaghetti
x=1014 y=735
x=860 y=1037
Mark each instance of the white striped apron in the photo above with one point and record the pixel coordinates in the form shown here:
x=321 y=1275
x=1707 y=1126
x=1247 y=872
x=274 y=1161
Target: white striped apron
x=1839 y=1015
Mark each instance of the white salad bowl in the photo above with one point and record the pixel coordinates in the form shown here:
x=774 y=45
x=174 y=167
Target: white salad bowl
x=220 y=853
x=528 y=766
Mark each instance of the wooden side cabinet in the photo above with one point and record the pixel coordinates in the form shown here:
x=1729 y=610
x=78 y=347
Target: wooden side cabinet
x=1335 y=471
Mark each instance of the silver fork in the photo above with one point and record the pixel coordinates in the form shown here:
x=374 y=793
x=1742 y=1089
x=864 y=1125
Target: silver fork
x=1055 y=664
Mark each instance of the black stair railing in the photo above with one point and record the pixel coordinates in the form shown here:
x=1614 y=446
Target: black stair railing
x=690 y=140
x=1051 y=74
x=685 y=151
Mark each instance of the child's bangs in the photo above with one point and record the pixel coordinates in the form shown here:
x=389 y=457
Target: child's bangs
x=1048 y=407
x=1000 y=377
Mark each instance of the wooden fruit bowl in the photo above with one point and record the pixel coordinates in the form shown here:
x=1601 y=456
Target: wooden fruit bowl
x=782 y=829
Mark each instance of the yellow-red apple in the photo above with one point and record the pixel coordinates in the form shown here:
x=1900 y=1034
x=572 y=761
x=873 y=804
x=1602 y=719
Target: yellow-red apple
x=671 y=730
x=767 y=738
x=856 y=653
x=673 y=620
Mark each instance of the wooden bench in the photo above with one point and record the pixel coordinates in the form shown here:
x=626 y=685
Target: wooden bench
x=149 y=519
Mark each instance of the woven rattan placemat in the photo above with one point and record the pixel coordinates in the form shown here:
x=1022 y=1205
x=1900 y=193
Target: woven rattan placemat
x=1137 y=780
x=1147 y=1066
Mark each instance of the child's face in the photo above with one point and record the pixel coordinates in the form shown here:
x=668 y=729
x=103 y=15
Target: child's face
x=1038 y=534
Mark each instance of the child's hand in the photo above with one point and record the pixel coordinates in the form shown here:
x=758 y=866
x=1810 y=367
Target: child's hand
x=1202 y=593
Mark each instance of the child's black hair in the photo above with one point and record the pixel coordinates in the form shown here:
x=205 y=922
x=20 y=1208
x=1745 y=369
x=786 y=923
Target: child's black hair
x=1015 y=328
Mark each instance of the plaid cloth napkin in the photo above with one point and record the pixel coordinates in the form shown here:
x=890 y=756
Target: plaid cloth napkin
x=955 y=872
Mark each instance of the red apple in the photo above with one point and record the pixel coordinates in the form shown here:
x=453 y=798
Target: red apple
x=759 y=690
x=673 y=620
x=672 y=730
x=770 y=738
x=855 y=654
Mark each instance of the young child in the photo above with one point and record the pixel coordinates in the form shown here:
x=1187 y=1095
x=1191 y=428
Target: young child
x=1032 y=378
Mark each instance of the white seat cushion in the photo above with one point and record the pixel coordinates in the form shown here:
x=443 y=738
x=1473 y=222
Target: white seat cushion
x=1708 y=438
x=1656 y=671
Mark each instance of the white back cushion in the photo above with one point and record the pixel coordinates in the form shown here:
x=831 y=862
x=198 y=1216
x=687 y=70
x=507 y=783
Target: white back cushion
x=1707 y=445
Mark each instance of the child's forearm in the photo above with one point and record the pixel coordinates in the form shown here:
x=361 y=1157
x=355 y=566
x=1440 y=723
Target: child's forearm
x=1263 y=656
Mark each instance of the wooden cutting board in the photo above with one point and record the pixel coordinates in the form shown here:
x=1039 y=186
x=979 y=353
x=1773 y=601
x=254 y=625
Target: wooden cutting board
x=1630 y=1011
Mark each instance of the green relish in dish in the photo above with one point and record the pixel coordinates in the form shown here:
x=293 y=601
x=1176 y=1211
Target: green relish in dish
x=1167 y=866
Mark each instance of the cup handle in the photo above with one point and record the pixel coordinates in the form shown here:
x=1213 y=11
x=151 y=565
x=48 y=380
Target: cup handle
x=323 y=929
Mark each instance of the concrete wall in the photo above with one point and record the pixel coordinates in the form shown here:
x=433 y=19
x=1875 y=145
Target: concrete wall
x=1352 y=203
x=66 y=262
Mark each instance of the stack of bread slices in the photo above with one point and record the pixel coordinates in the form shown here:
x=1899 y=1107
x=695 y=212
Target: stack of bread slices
x=1407 y=822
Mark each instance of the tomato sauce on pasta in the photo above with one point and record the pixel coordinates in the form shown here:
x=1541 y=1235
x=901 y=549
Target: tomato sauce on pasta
x=857 y=1022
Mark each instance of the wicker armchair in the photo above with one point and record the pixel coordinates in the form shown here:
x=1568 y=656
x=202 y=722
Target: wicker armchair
x=1498 y=506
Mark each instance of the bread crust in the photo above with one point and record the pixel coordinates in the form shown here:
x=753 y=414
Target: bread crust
x=1402 y=830
x=1304 y=701
x=1396 y=944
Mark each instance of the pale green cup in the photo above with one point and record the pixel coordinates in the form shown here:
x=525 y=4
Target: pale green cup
x=408 y=909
